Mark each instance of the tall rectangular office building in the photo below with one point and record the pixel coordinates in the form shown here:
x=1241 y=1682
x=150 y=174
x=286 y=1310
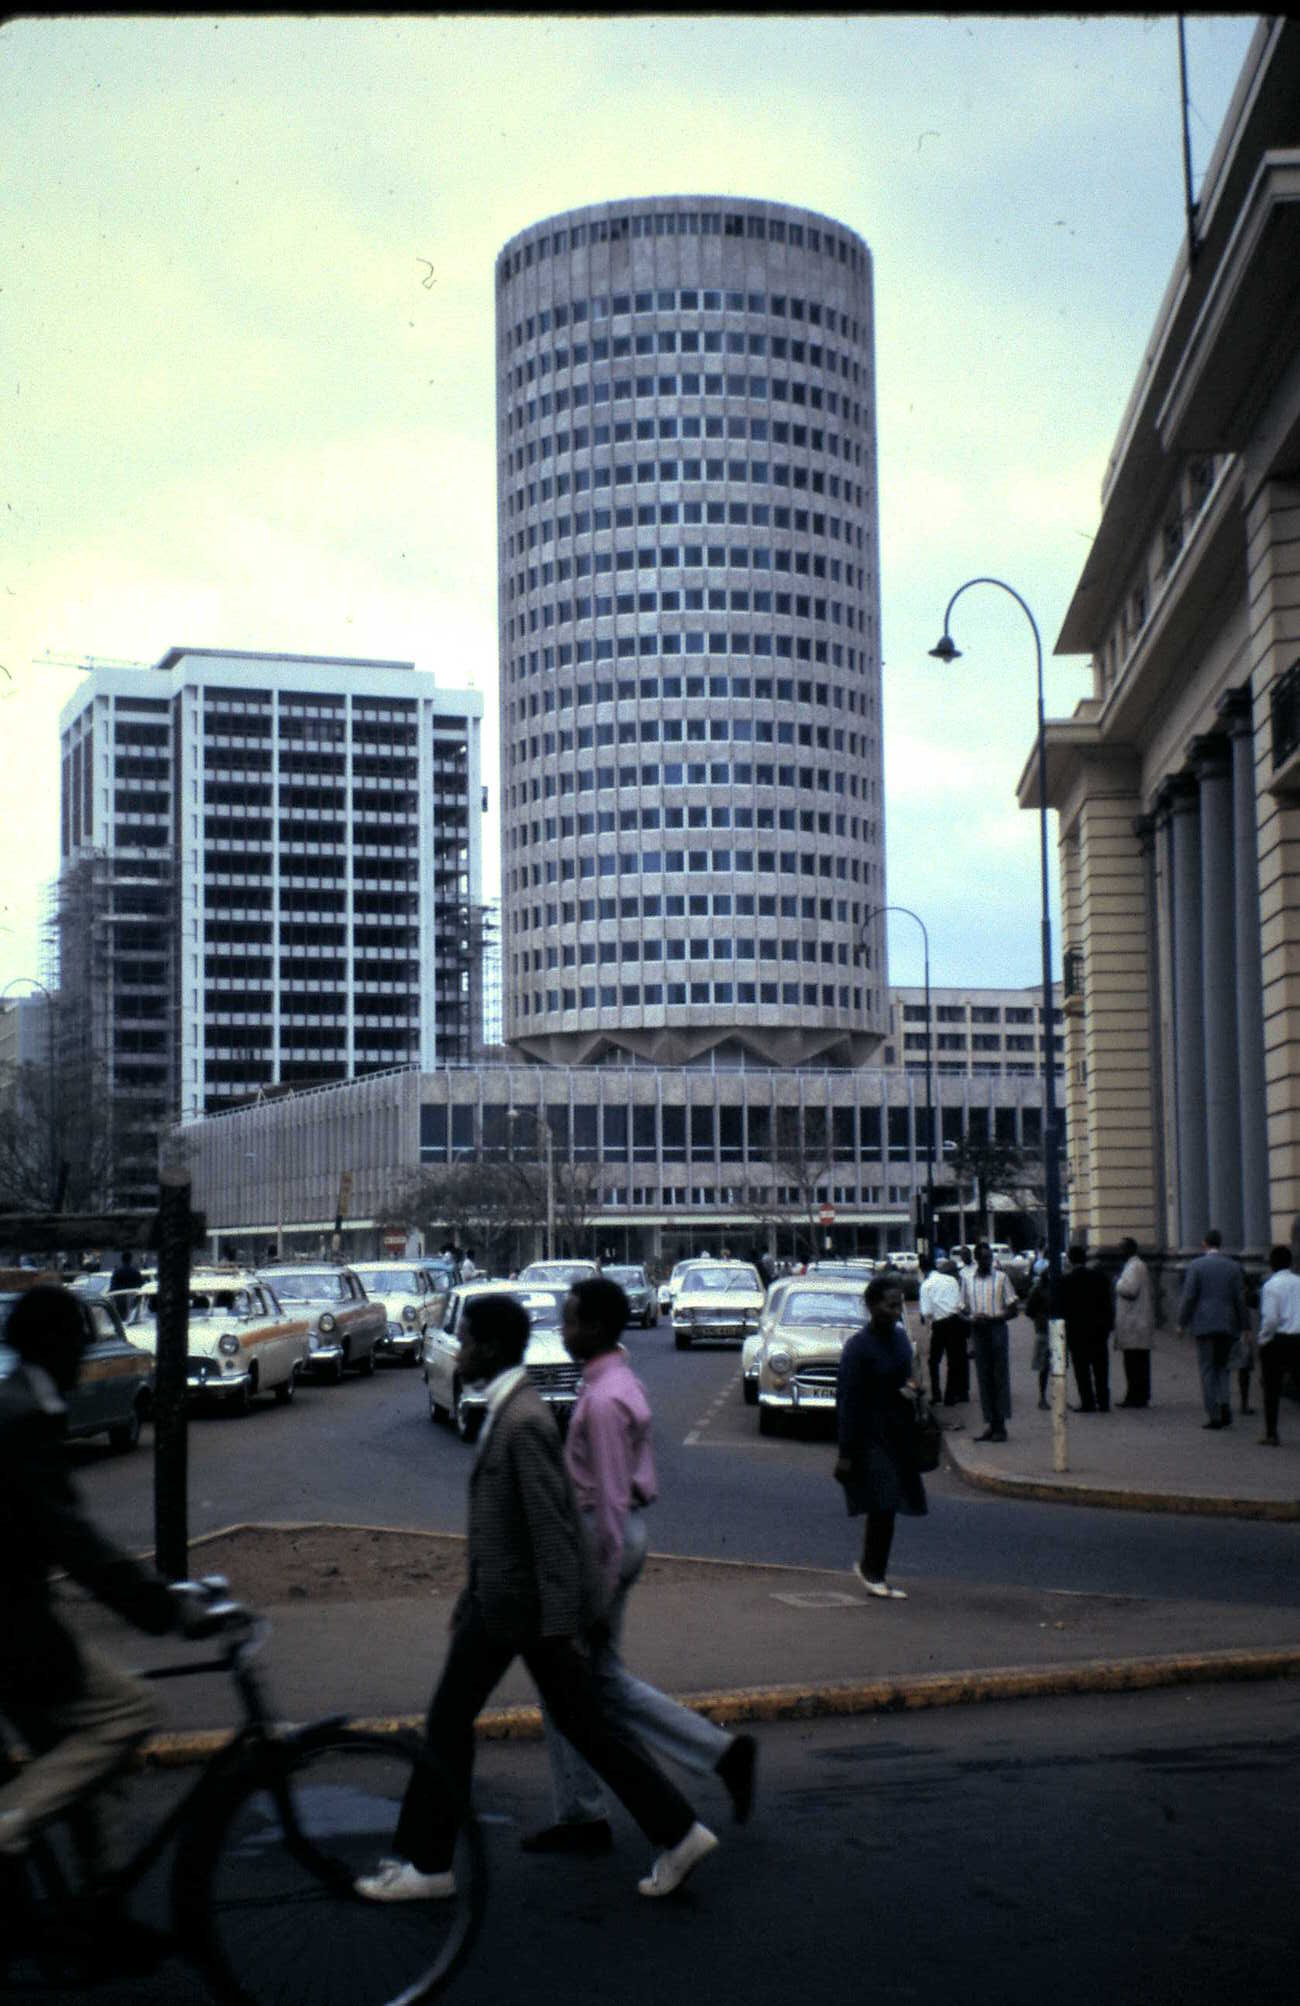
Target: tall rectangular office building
x=270 y=869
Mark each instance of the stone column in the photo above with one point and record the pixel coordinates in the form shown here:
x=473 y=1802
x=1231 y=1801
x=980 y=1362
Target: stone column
x=1144 y=828
x=1235 y=710
x=1189 y=1008
x=1213 y=765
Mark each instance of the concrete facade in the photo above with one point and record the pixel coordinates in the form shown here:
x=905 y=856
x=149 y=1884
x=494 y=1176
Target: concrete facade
x=973 y=1030
x=1178 y=781
x=692 y=810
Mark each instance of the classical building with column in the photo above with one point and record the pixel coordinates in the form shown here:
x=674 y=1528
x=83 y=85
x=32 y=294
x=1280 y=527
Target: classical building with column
x=1177 y=782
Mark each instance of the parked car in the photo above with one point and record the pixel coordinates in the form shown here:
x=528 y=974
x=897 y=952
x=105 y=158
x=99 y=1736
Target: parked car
x=717 y=1299
x=343 y=1325
x=642 y=1298
x=798 y=1356
x=114 y=1390
x=406 y=1292
x=242 y=1341
x=668 y=1290
x=554 y=1374
x=556 y=1274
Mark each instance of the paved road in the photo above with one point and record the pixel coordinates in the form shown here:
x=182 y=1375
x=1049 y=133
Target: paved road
x=1135 y=1849
x=365 y=1452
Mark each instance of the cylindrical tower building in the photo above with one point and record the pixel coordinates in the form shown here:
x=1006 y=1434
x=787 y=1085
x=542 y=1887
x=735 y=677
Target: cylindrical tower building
x=691 y=802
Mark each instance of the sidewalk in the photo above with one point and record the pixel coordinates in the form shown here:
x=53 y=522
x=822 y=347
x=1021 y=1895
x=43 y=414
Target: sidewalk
x=1156 y=1458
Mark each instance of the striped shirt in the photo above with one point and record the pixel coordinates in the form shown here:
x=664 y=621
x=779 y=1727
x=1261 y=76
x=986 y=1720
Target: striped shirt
x=990 y=1296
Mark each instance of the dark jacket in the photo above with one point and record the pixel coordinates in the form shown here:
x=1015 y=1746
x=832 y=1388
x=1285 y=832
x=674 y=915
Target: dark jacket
x=874 y=1424
x=43 y=1526
x=530 y=1566
x=1087 y=1304
x=1213 y=1302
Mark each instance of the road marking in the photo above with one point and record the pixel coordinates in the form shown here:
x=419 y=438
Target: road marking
x=710 y=1415
x=826 y=1598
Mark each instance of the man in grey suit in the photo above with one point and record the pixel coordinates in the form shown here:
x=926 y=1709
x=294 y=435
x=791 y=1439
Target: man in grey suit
x=533 y=1593
x=1212 y=1309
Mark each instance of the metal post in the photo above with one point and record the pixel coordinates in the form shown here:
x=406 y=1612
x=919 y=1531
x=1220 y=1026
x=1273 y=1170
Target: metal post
x=947 y=652
x=929 y=1071
x=549 y=1141
x=173 y=1238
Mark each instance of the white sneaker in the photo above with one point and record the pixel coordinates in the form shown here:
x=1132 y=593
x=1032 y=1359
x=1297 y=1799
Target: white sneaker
x=672 y=1867
x=399 y=1881
x=879 y=1588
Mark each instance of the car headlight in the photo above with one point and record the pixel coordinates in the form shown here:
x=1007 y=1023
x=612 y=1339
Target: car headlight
x=395 y=1330
x=779 y=1362
x=751 y=1320
x=326 y=1322
x=410 y=1314
x=228 y=1345
x=684 y=1315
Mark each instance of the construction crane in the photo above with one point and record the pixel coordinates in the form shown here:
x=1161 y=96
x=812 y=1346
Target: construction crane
x=88 y=663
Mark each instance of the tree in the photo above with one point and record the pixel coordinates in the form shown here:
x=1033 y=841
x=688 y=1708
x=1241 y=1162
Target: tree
x=802 y=1165
x=995 y=1168
x=61 y=1136
x=488 y=1206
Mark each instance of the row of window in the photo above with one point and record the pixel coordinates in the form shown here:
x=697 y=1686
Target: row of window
x=669 y=299
x=626 y=605
x=685 y=773
x=755 y=1131
x=722 y=815
x=668 y=341
x=648 y=729
x=645 y=515
x=644 y=647
x=781 y=390
x=562 y=696
x=697 y=905
x=744 y=947
x=673 y=995
x=671 y=863
x=627 y=226
x=729 y=557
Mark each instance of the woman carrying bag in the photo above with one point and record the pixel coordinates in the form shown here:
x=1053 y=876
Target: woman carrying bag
x=876 y=1426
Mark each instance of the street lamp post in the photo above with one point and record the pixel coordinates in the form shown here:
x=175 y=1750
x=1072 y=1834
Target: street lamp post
x=55 y=1179
x=929 y=1073
x=946 y=651
x=548 y=1153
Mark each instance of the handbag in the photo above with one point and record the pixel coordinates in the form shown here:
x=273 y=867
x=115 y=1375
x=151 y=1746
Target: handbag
x=927 y=1436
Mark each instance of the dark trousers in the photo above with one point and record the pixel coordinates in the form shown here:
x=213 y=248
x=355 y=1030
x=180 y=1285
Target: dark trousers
x=948 y=1340
x=426 y=1828
x=1137 y=1378
x=876 y=1542
x=992 y=1369
x=1091 y=1363
x=1276 y=1358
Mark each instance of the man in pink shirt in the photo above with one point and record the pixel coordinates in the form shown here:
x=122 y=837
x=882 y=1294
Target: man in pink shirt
x=611 y=1466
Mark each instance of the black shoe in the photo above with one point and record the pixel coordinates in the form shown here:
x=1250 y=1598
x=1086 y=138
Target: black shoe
x=1211 y=1424
x=1084 y=1408
x=571 y=1835
x=992 y=1435
x=1225 y=1417
x=736 y=1768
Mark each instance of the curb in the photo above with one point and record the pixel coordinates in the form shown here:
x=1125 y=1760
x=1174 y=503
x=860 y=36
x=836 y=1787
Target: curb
x=901 y=1695
x=1113 y=1497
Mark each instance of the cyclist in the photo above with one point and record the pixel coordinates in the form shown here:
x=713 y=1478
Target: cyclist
x=78 y=1713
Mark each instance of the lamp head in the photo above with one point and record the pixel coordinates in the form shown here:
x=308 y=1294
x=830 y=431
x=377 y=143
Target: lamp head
x=946 y=650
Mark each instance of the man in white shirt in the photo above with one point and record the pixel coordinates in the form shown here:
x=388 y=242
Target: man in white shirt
x=1279 y=1335
x=940 y=1310
x=988 y=1299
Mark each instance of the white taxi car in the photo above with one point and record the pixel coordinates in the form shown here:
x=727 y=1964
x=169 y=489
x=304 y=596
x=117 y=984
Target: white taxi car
x=241 y=1341
x=410 y=1299
x=798 y=1359
x=557 y=1274
x=114 y=1388
x=343 y=1325
x=717 y=1299
x=553 y=1373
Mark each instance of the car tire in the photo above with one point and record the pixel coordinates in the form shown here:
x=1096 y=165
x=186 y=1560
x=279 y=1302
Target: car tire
x=285 y=1391
x=770 y=1422
x=243 y=1401
x=465 y=1421
x=366 y=1365
x=411 y=1358
x=436 y=1413
x=336 y=1372
x=682 y=1339
x=750 y=1389
x=126 y=1434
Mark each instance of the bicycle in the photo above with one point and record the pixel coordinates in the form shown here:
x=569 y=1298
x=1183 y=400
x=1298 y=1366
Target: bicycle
x=269 y=1842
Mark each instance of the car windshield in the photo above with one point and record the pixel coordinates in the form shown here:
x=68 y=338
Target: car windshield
x=206 y=1302
x=625 y=1277
x=849 y=1269
x=557 y=1271
x=719 y=1281
x=388 y=1281
x=307 y=1288
x=543 y=1308
x=811 y=1306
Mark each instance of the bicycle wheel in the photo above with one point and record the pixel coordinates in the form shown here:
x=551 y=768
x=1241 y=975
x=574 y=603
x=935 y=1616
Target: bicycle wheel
x=264 y=1894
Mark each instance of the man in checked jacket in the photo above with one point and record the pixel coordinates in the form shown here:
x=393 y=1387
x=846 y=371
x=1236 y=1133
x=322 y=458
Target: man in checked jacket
x=533 y=1593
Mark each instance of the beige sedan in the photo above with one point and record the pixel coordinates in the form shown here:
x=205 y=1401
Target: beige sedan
x=799 y=1350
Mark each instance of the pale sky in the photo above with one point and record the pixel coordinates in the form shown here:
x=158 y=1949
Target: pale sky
x=246 y=300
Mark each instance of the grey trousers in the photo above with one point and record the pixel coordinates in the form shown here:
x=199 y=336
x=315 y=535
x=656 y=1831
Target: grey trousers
x=666 y=1728
x=1212 y=1354
x=76 y=1745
